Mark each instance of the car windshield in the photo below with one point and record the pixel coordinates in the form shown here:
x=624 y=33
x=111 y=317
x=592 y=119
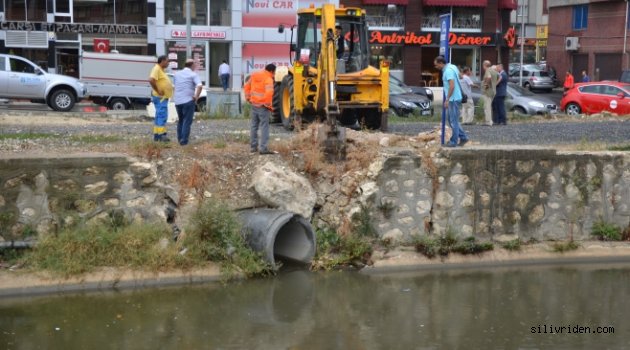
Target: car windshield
x=519 y=91
x=394 y=89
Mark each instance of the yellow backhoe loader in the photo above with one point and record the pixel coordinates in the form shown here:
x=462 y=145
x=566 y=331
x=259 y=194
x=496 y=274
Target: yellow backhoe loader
x=331 y=79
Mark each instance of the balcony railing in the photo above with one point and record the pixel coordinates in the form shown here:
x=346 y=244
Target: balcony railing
x=385 y=21
x=458 y=23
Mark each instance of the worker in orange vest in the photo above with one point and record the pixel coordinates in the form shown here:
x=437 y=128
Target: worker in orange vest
x=568 y=81
x=259 y=92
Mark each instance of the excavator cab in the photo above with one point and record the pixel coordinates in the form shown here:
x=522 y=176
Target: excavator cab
x=351 y=43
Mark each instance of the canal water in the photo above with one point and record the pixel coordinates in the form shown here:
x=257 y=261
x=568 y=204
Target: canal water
x=508 y=308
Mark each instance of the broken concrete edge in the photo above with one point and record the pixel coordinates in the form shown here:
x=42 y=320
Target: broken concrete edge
x=592 y=254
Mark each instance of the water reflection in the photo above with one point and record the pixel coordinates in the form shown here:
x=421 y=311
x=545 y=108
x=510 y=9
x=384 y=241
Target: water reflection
x=339 y=310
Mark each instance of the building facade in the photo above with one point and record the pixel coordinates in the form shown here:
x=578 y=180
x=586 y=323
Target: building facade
x=53 y=33
x=588 y=35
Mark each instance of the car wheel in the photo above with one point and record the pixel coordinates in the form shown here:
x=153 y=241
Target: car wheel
x=118 y=104
x=520 y=110
x=527 y=86
x=573 y=109
x=548 y=91
x=61 y=100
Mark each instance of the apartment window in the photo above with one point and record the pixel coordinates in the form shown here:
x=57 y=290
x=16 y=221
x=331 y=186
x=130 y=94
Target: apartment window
x=463 y=19
x=110 y=11
x=175 y=12
x=29 y=10
x=580 y=17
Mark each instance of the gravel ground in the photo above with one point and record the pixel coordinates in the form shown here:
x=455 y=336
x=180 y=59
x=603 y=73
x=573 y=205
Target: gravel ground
x=543 y=132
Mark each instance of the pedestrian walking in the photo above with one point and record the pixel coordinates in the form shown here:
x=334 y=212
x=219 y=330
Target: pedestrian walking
x=585 y=77
x=498 y=103
x=187 y=89
x=468 y=108
x=161 y=91
x=224 y=74
x=452 y=100
x=568 y=81
x=488 y=90
x=259 y=92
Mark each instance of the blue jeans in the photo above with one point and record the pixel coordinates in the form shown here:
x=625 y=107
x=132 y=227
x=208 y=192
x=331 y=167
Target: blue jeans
x=498 y=106
x=260 y=118
x=185 y=114
x=161 y=115
x=225 y=79
x=453 y=122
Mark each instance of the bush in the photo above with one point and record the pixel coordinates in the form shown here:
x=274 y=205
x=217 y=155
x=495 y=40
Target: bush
x=606 y=232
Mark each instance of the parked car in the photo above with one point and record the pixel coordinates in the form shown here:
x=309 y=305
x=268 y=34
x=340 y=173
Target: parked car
x=420 y=90
x=23 y=79
x=595 y=97
x=534 y=78
x=403 y=102
x=523 y=101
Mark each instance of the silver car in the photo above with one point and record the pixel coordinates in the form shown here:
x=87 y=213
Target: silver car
x=522 y=101
x=533 y=79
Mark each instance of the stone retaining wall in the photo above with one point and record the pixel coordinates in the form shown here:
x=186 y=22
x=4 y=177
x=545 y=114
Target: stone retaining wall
x=502 y=194
x=40 y=195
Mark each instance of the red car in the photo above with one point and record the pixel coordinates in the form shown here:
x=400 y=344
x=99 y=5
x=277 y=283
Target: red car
x=595 y=97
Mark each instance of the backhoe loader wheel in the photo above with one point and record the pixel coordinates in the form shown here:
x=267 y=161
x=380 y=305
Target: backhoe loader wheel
x=287 y=108
x=372 y=119
x=276 y=103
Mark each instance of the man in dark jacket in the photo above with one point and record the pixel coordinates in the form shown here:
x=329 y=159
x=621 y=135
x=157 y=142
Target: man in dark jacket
x=498 y=103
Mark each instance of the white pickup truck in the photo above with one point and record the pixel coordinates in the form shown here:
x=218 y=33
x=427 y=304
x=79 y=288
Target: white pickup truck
x=23 y=79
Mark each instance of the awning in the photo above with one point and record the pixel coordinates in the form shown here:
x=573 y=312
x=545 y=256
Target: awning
x=508 y=4
x=469 y=3
x=385 y=2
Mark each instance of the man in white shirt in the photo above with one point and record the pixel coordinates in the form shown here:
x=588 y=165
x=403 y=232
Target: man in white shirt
x=224 y=74
x=468 y=108
x=187 y=89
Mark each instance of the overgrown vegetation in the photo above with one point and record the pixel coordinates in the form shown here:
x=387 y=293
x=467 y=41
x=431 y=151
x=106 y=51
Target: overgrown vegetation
x=449 y=243
x=28 y=136
x=513 y=245
x=214 y=235
x=609 y=232
x=566 y=246
x=620 y=147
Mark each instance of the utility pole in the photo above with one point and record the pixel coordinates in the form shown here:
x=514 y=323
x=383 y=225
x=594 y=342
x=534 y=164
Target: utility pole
x=188 y=31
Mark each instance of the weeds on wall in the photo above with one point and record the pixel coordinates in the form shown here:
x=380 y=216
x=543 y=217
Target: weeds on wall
x=335 y=250
x=449 y=243
x=215 y=235
x=513 y=245
x=609 y=232
x=566 y=246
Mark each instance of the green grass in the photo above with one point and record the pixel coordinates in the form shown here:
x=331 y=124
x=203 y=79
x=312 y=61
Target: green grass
x=335 y=251
x=562 y=247
x=620 y=147
x=514 y=245
x=28 y=136
x=95 y=138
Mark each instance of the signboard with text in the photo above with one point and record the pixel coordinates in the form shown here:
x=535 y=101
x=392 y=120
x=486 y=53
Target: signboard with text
x=270 y=13
x=257 y=55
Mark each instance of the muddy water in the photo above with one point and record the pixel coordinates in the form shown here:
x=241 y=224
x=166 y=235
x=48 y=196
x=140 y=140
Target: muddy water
x=456 y=309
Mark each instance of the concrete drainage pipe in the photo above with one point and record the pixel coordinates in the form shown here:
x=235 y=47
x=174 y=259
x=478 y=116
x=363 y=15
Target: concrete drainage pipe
x=278 y=233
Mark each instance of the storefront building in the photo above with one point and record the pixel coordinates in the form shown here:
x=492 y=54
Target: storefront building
x=589 y=35
x=244 y=32
x=406 y=32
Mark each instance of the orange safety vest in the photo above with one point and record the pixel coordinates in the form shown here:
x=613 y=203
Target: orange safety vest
x=259 y=89
x=568 y=82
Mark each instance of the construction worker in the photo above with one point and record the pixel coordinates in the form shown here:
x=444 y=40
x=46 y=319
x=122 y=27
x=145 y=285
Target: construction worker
x=161 y=91
x=259 y=92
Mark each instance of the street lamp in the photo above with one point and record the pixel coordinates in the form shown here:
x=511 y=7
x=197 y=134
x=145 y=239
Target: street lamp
x=520 y=79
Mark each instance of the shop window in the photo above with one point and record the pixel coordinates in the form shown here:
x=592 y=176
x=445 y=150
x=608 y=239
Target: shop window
x=580 y=17
x=62 y=7
x=391 y=53
x=175 y=11
x=385 y=16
